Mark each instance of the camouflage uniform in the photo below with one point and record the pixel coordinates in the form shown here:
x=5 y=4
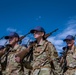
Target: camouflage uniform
x=45 y=60
x=26 y=69
x=71 y=62
x=12 y=67
x=0 y=69
x=1 y=50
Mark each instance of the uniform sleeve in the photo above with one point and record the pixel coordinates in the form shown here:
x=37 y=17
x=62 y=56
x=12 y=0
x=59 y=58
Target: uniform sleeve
x=23 y=48
x=54 y=58
x=26 y=61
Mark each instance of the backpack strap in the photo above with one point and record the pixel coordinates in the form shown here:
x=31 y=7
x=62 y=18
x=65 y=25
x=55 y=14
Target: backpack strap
x=48 y=55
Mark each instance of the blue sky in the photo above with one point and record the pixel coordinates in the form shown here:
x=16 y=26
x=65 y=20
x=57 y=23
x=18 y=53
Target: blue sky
x=23 y=15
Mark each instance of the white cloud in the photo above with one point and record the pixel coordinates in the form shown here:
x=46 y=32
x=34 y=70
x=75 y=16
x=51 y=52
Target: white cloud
x=11 y=29
x=3 y=42
x=59 y=48
x=69 y=30
x=55 y=41
x=25 y=40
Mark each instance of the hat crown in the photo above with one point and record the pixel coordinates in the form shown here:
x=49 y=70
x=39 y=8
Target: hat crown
x=38 y=28
x=12 y=34
x=69 y=37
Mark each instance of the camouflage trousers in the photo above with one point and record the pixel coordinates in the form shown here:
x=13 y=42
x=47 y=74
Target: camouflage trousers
x=70 y=72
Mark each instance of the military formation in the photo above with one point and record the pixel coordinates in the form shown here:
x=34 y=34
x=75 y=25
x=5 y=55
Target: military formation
x=40 y=57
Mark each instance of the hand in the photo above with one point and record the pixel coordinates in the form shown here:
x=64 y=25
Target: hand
x=17 y=59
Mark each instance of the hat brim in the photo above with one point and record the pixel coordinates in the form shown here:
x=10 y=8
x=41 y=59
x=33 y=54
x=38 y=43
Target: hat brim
x=32 y=31
x=67 y=39
x=7 y=37
x=64 y=40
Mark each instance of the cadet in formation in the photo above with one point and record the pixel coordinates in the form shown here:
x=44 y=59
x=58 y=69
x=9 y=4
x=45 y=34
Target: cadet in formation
x=44 y=55
x=1 y=48
x=10 y=66
x=70 y=56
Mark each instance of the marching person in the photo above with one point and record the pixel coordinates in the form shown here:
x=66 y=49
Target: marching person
x=44 y=61
x=1 y=49
x=10 y=66
x=69 y=56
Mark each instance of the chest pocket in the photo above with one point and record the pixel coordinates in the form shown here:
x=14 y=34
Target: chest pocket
x=40 y=49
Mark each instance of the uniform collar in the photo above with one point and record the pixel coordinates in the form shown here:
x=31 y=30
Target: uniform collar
x=41 y=43
x=15 y=47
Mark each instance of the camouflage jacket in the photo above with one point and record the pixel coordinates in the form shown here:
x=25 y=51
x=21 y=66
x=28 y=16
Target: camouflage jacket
x=45 y=55
x=71 y=61
x=12 y=67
